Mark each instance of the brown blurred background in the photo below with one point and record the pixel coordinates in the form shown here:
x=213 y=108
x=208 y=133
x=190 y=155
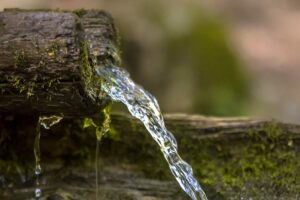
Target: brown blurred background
x=212 y=57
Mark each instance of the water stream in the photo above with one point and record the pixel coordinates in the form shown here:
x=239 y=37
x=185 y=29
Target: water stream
x=142 y=105
x=100 y=132
x=46 y=122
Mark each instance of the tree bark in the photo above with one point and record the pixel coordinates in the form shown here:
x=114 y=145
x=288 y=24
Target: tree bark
x=47 y=60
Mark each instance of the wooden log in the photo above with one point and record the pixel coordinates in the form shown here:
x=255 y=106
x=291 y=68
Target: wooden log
x=199 y=127
x=233 y=158
x=47 y=60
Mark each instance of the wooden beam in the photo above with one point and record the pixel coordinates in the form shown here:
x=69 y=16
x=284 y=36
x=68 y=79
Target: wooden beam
x=47 y=60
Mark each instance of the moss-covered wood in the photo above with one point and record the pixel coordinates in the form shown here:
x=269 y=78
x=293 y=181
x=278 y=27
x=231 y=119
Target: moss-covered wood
x=233 y=158
x=47 y=59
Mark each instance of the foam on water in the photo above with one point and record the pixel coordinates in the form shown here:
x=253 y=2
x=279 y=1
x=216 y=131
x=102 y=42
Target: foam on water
x=142 y=105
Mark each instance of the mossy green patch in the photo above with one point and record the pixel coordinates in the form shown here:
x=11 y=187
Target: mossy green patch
x=30 y=85
x=261 y=165
x=80 y=12
x=86 y=69
x=101 y=123
x=92 y=83
x=21 y=85
x=20 y=58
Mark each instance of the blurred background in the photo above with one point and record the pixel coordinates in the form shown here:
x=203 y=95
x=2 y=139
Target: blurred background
x=221 y=58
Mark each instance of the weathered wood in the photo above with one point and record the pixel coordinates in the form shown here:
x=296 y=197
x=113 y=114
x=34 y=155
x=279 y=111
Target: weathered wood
x=47 y=59
x=132 y=166
x=217 y=128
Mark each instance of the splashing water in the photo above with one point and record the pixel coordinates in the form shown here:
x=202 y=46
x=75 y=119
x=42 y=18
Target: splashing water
x=46 y=122
x=142 y=105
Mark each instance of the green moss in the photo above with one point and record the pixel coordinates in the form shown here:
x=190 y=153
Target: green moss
x=257 y=166
x=101 y=123
x=56 y=52
x=21 y=61
x=105 y=126
x=261 y=165
x=133 y=145
x=53 y=50
x=23 y=87
x=80 y=12
x=86 y=69
x=92 y=82
x=29 y=86
x=77 y=22
x=273 y=131
x=20 y=58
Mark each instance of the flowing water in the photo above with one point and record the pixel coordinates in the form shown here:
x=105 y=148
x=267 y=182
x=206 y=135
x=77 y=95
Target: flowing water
x=100 y=132
x=142 y=105
x=97 y=166
x=46 y=122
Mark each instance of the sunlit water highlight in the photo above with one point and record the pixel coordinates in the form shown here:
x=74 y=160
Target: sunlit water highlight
x=46 y=122
x=142 y=105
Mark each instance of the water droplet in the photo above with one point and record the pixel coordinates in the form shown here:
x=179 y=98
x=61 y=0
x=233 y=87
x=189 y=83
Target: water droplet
x=47 y=122
x=38 y=170
x=38 y=192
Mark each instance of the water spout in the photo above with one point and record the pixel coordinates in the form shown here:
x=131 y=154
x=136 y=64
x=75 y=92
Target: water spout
x=142 y=105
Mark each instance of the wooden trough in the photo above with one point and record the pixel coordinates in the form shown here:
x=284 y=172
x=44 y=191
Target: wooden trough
x=47 y=60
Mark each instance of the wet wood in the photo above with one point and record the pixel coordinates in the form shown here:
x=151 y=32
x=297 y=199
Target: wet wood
x=121 y=175
x=201 y=127
x=46 y=60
